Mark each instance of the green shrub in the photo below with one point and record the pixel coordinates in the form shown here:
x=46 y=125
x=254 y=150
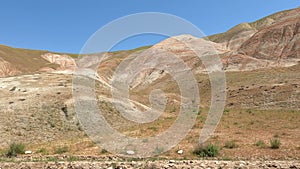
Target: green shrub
x=61 y=150
x=14 y=149
x=43 y=151
x=206 y=151
x=230 y=144
x=249 y=111
x=103 y=151
x=260 y=143
x=275 y=143
x=199 y=111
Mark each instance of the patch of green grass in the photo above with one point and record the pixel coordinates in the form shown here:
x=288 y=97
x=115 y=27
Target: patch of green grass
x=61 y=150
x=54 y=159
x=153 y=128
x=43 y=151
x=73 y=158
x=14 y=149
x=275 y=143
x=210 y=150
x=260 y=144
x=226 y=111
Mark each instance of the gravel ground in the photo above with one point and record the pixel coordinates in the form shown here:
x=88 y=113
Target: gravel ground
x=171 y=164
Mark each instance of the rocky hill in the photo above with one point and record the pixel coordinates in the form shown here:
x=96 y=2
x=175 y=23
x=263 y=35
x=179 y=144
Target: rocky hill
x=15 y=61
x=272 y=41
x=263 y=92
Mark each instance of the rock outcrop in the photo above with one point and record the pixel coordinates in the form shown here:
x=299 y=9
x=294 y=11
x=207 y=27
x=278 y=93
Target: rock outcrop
x=7 y=69
x=15 y=61
x=65 y=62
x=279 y=42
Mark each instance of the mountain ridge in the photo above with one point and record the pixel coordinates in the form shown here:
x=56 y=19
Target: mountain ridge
x=233 y=46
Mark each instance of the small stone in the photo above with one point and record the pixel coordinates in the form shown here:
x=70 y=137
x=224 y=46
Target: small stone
x=172 y=161
x=13 y=89
x=28 y=152
x=130 y=152
x=180 y=151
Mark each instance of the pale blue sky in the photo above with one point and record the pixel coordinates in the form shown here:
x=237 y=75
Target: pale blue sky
x=65 y=25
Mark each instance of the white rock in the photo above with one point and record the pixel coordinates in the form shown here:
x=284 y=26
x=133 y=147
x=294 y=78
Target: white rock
x=130 y=152
x=28 y=152
x=172 y=161
x=180 y=151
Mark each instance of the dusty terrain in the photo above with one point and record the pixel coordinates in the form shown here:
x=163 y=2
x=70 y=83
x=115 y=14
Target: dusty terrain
x=261 y=61
x=37 y=110
x=167 y=164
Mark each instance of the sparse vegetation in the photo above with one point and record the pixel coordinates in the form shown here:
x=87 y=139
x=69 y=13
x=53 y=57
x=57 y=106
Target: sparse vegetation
x=153 y=128
x=114 y=165
x=275 y=143
x=249 y=111
x=158 y=150
x=79 y=126
x=73 y=158
x=230 y=144
x=209 y=150
x=43 y=151
x=51 y=158
x=249 y=114
x=173 y=110
x=61 y=150
x=260 y=144
x=199 y=111
x=14 y=149
x=103 y=151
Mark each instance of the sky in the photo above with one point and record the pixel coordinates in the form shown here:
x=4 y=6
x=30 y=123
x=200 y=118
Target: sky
x=66 y=25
